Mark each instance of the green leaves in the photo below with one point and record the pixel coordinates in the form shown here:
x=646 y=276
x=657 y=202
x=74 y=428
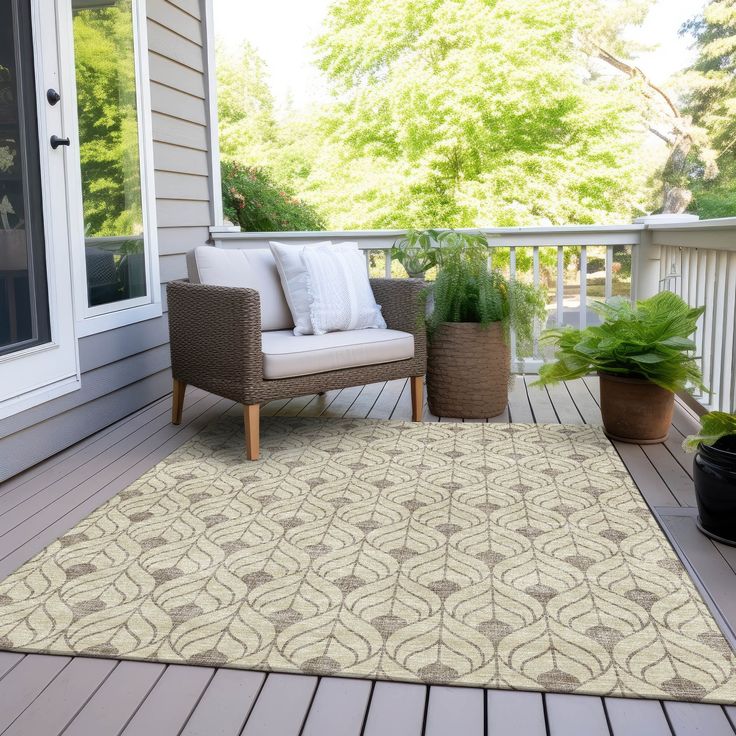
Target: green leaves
x=467 y=290
x=714 y=426
x=648 y=340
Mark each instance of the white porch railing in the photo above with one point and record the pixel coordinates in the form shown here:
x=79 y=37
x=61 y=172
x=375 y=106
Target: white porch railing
x=575 y=265
x=580 y=264
x=698 y=262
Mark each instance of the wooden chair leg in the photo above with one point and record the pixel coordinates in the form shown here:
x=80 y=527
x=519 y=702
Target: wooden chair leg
x=417 y=398
x=180 y=388
x=252 y=418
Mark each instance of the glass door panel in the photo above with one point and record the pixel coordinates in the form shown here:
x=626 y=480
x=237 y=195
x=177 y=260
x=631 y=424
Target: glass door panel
x=104 y=61
x=24 y=309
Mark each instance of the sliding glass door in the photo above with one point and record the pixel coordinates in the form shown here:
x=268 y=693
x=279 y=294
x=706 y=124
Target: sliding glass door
x=24 y=307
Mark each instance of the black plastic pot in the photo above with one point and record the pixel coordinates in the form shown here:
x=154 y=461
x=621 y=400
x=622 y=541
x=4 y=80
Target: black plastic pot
x=715 y=489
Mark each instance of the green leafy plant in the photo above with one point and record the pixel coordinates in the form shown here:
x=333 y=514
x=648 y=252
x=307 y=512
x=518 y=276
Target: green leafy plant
x=714 y=426
x=649 y=340
x=253 y=200
x=467 y=290
x=416 y=251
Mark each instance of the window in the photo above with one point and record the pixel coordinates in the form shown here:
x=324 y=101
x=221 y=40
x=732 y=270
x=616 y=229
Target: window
x=119 y=241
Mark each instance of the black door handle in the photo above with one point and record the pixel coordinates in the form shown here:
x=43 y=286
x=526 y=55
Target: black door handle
x=56 y=142
x=52 y=96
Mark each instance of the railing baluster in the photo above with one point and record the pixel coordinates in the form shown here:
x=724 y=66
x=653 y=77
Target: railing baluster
x=608 y=293
x=515 y=362
x=560 y=290
x=535 y=281
x=583 y=287
x=387 y=264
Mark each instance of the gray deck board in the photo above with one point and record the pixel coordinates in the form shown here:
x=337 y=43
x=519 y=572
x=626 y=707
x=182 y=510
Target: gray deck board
x=630 y=717
x=339 y=707
x=515 y=714
x=520 y=409
x=576 y=715
x=226 y=704
x=696 y=719
x=455 y=710
x=30 y=677
x=116 y=700
x=282 y=706
x=147 y=698
x=65 y=696
x=171 y=702
x=397 y=709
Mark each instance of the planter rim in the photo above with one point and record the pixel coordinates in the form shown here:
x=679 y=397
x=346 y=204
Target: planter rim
x=630 y=379
x=719 y=455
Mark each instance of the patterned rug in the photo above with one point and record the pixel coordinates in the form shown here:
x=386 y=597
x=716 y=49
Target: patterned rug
x=506 y=556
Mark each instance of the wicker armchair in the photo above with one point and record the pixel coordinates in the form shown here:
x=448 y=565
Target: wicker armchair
x=215 y=334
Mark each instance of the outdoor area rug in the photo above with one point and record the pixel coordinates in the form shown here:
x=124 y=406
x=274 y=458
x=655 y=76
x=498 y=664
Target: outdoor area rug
x=507 y=556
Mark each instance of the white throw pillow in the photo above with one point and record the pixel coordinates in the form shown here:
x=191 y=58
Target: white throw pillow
x=339 y=291
x=294 y=280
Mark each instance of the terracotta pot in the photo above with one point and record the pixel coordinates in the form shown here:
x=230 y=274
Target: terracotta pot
x=468 y=370
x=635 y=410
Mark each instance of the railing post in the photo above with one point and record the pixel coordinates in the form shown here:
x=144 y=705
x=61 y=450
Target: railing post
x=645 y=257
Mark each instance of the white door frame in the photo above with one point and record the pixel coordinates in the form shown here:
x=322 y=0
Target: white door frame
x=31 y=377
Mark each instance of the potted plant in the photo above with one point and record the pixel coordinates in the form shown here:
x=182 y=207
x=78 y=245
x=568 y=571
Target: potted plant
x=714 y=473
x=418 y=250
x=643 y=355
x=474 y=310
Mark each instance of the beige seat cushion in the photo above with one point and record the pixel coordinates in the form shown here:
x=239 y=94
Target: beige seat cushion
x=247 y=269
x=286 y=354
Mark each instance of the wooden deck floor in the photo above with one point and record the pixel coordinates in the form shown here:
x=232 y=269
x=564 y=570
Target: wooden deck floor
x=47 y=695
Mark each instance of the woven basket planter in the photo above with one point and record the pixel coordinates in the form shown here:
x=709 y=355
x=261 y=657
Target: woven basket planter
x=468 y=369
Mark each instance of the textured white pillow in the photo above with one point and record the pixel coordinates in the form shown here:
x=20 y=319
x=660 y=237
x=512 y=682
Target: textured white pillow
x=339 y=291
x=294 y=279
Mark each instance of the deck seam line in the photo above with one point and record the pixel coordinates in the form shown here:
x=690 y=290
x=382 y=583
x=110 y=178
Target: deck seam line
x=197 y=702
x=142 y=700
x=309 y=706
x=253 y=704
x=91 y=695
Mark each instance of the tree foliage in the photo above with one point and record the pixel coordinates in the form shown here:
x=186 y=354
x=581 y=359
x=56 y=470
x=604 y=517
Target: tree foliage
x=476 y=113
x=252 y=199
x=711 y=101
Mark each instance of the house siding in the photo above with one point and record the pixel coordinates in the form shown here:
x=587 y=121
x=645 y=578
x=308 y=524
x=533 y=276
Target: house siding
x=126 y=368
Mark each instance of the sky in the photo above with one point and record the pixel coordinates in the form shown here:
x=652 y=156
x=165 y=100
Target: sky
x=281 y=31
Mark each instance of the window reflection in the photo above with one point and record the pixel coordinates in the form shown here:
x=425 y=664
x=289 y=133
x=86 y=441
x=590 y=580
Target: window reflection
x=109 y=150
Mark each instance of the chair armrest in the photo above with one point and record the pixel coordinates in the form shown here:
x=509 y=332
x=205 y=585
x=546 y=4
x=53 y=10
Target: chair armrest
x=403 y=308
x=215 y=337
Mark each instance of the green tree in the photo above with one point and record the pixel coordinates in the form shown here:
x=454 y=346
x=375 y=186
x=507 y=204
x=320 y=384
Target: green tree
x=712 y=103
x=245 y=106
x=484 y=112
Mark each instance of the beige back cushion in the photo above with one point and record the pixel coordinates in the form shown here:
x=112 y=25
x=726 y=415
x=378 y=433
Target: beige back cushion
x=246 y=268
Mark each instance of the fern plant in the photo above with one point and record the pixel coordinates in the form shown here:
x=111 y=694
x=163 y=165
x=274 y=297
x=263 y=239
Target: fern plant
x=649 y=340
x=468 y=290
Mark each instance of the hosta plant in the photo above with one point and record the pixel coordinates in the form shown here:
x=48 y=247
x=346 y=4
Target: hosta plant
x=650 y=339
x=714 y=426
